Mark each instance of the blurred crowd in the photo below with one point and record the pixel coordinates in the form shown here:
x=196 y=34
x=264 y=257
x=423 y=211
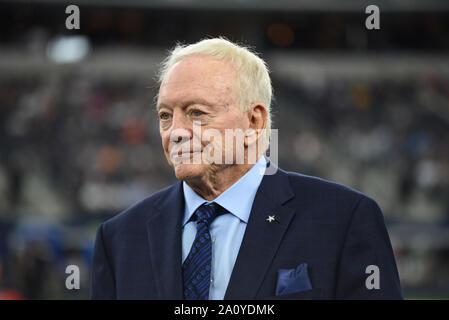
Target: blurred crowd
x=387 y=137
x=75 y=144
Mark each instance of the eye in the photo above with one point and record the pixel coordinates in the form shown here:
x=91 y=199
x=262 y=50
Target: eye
x=197 y=113
x=164 y=116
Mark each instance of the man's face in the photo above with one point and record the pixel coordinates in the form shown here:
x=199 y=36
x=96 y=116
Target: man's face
x=198 y=88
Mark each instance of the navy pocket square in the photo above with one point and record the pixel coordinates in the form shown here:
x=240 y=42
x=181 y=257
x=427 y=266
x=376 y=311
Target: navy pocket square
x=293 y=280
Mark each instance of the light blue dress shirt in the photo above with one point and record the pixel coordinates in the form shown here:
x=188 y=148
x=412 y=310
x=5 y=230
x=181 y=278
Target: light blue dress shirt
x=226 y=230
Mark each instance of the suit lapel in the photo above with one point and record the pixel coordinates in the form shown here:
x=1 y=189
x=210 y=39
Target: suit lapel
x=164 y=236
x=262 y=238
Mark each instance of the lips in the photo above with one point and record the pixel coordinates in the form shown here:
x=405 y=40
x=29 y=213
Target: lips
x=181 y=154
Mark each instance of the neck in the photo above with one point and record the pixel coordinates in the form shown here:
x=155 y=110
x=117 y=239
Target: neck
x=217 y=179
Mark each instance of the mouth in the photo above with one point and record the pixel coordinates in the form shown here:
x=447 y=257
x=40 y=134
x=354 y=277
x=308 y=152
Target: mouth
x=181 y=154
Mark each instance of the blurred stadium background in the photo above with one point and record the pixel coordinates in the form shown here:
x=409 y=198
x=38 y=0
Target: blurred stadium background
x=79 y=136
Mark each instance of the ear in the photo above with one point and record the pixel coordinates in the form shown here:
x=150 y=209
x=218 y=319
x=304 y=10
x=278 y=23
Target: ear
x=257 y=116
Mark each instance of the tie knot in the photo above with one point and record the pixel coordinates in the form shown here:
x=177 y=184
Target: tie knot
x=207 y=212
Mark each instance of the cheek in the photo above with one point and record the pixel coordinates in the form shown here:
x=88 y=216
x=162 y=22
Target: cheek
x=230 y=121
x=164 y=140
x=238 y=119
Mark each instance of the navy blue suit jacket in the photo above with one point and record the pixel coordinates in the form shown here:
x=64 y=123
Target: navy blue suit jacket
x=335 y=230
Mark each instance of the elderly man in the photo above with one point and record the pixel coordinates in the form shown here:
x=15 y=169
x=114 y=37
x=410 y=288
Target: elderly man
x=227 y=229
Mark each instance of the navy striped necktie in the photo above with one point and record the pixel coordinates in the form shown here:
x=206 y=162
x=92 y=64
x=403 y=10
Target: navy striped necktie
x=197 y=266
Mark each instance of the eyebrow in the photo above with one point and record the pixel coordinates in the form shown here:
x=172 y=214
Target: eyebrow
x=187 y=103
x=161 y=105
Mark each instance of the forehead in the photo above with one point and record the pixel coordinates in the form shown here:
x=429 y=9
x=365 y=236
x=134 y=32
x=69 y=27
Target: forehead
x=196 y=76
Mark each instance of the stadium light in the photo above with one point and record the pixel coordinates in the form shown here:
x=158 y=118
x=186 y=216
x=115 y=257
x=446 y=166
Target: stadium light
x=68 y=49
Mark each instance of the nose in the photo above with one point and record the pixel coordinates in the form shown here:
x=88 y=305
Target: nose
x=181 y=129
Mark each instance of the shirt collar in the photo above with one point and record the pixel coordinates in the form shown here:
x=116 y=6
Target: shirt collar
x=237 y=199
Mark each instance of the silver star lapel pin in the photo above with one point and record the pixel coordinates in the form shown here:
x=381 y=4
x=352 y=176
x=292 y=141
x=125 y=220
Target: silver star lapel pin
x=272 y=218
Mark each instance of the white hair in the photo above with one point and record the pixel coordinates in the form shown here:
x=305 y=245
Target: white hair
x=253 y=77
